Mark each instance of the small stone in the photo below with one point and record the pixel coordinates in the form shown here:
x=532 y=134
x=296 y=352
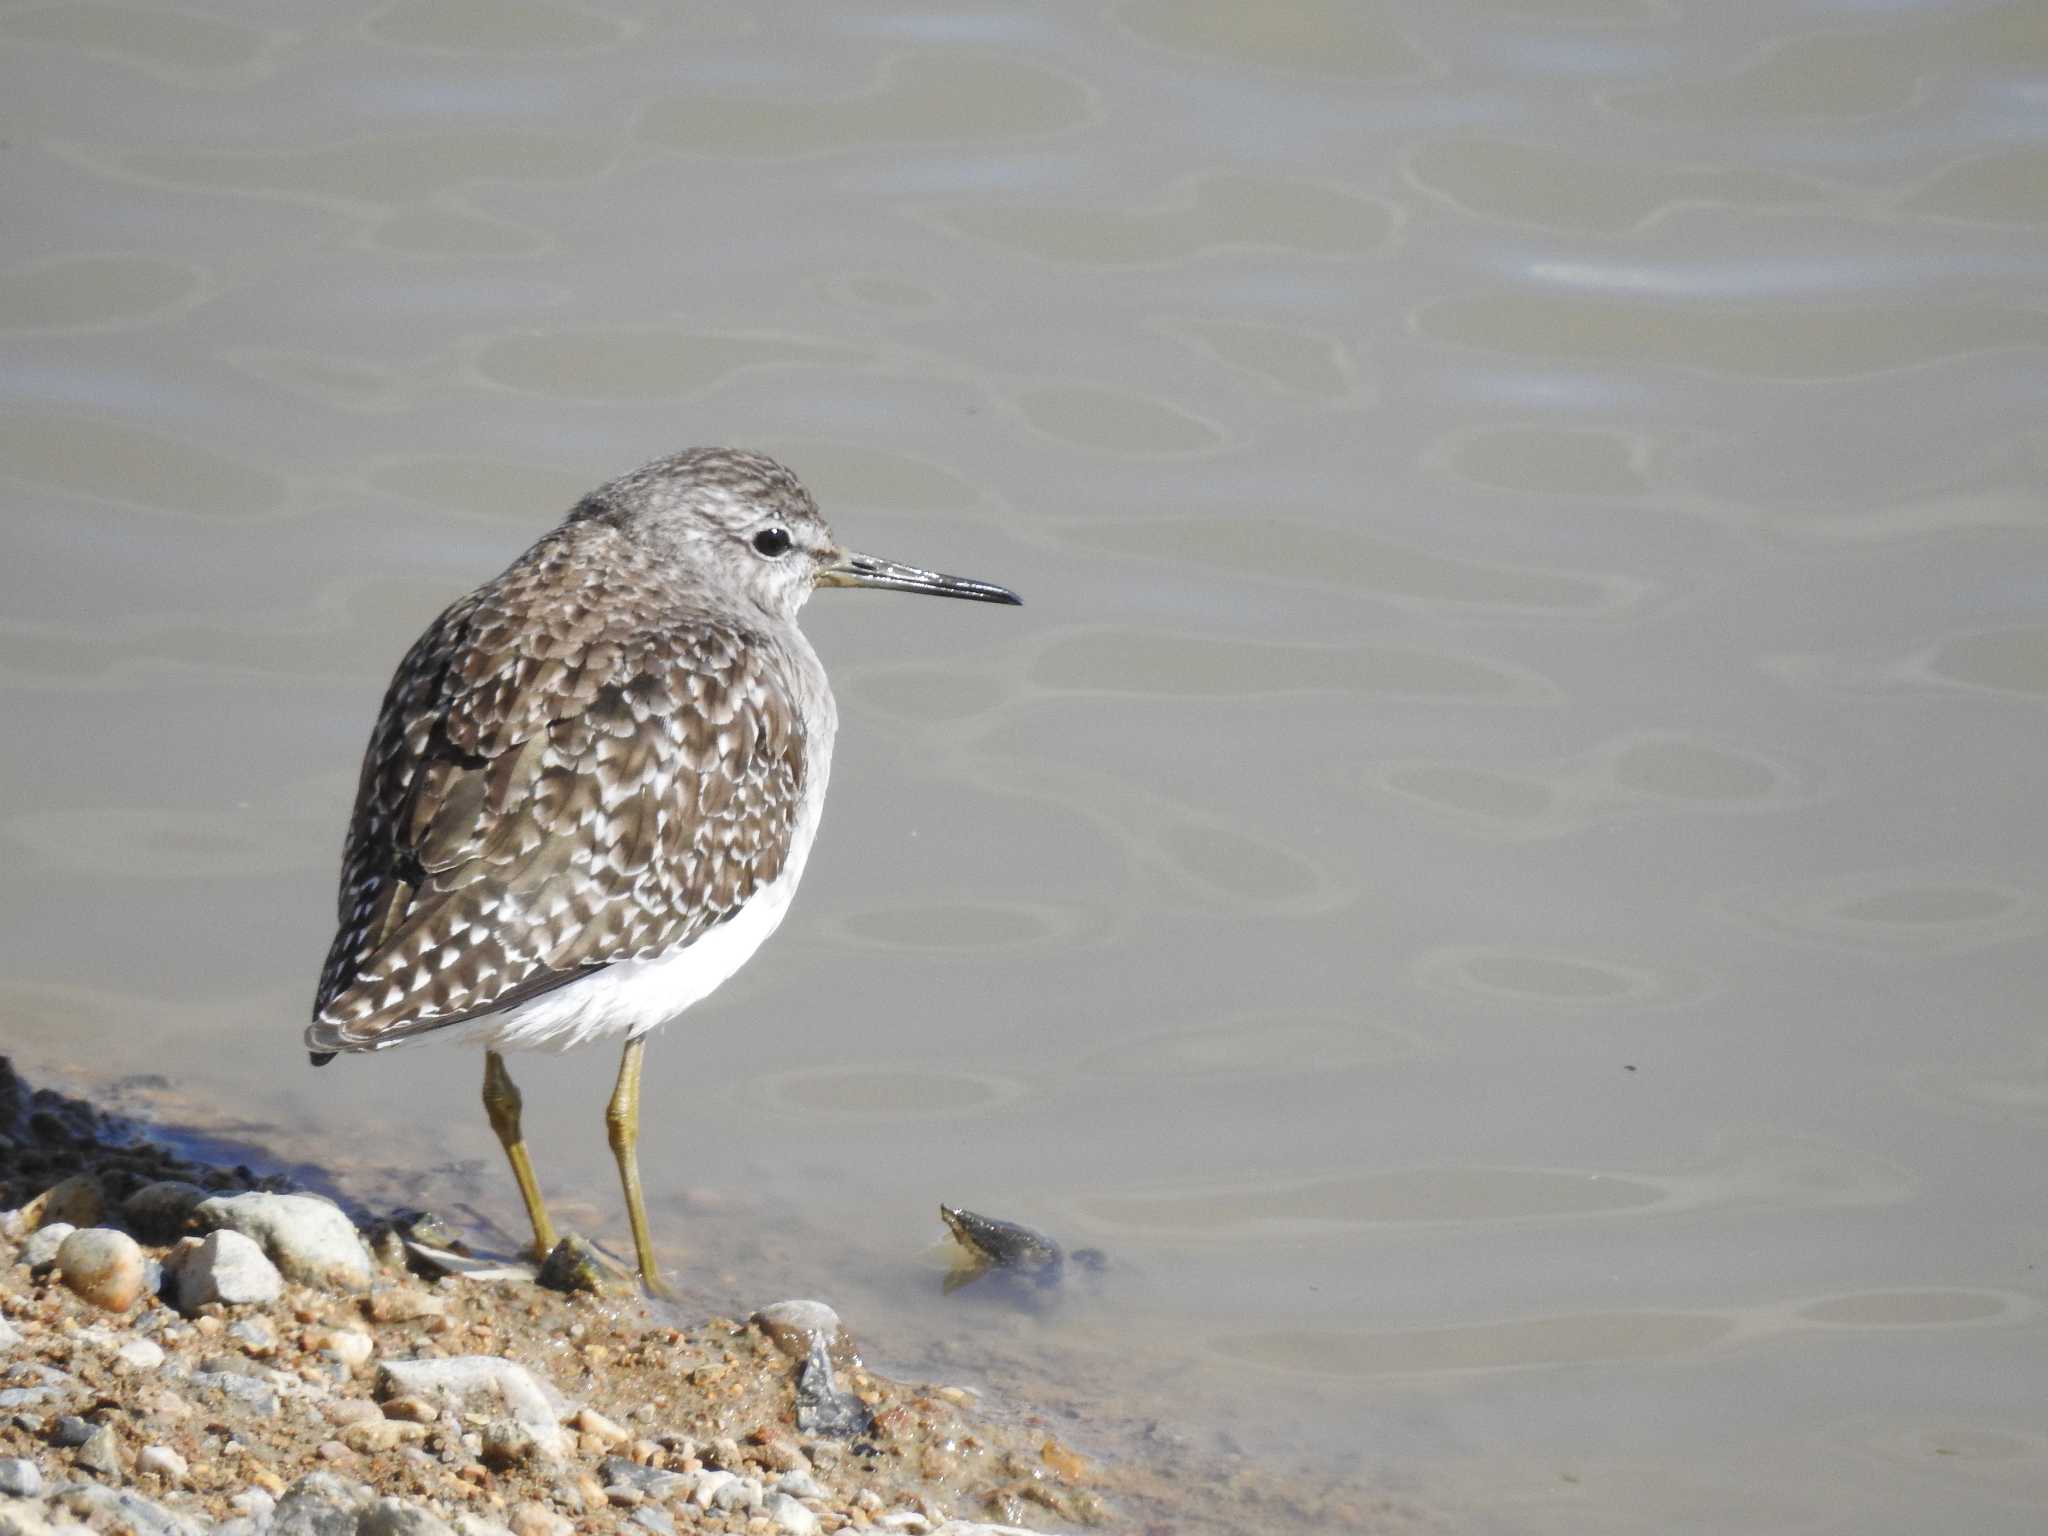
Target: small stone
x=309 y=1239
x=40 y=1251
x=791 y=1516
x=20 y=1477
x=159 y=1212
x=793 y=1325
x=476 y=1525
x=369 y=1437
x=507 y=1444
x=139 y=1355
x=225 y=1266
x=318 y=1504
x=351 y=1346
x=1068 y=1464
x=600 y=1428
x=591 y=1492
x=482 y=1384
x=574 y=1265
x=403 y=1304
x=102 y=1453
x=800 y=1485
x=70 y=1430
x=256 y=1335
x=624 y=1496
x=710 y=1484
x=163 y=1461
x=9 y=1335
x=104 y=1267
x=777 y=1449
x=414 y=1410
x=333 y=1450
x=616 y=1471
x=395 y=1517
x=77 y=1201
x=653 y=1517
x=537 y=1520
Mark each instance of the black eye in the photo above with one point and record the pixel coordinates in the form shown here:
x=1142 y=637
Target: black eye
x=772 y=542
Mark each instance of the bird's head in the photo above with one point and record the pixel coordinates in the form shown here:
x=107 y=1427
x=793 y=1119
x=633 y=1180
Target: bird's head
x=747 y=527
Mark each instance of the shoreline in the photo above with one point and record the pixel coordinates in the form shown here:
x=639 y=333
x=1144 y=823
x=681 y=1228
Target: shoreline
x=190 y=1346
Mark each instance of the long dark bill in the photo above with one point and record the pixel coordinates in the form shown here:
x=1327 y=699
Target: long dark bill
x=852 y=570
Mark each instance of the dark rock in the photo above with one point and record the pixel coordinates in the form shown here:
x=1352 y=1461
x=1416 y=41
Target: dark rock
x=101 y=1453
x=161 y=1212
x=821 y=1408
x=70 y=1430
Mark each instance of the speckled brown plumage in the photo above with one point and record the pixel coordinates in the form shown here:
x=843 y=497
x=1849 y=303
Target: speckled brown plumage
x=575 y=765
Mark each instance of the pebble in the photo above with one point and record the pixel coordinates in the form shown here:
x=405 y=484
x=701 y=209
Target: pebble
x=654 y=1518
x=20 y=1477
x=404 y=1304
x=41 y=1248
x=538 y=1520
x=318 y=1504
x=70 y=1430
x=225 y=1267
x=507 y=1443
x=76 y=1201
x=476 y=1525
x=710 y=1484
x=101 y=1453
x=351 y=1346
x=9 y=1335
x=163 y=1461
x=139 y=1355
x=791 y=1516
x=801 y=1485
x=414 y=1410
x=395 y=1517
x=482 y=1384
x=309 y=1239
x=652 y=1481
x=793 y=1325
x=104 y=1267
x=256 y=1335
x=245 y=1390
x=158 y=1213
x=370 y=1436
x=600 y=1428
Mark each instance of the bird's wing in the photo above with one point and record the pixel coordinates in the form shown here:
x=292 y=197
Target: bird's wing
x=539 y=801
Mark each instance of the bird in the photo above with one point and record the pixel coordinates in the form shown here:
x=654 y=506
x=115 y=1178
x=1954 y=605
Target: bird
x=593 y=786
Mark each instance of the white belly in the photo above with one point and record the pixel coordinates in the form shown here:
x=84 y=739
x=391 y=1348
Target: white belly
x=631 y=997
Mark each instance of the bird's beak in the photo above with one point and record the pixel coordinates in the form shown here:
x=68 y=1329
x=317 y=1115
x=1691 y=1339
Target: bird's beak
x=847 y=569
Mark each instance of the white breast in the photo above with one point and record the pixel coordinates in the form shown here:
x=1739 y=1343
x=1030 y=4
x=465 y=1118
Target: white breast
x=631 y=997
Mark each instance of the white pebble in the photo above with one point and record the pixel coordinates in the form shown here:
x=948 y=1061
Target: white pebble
x=163 y=1461
x=139 y=1355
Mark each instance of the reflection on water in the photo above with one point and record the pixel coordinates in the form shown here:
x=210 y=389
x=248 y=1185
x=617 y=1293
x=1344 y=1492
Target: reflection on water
x=1496 y=875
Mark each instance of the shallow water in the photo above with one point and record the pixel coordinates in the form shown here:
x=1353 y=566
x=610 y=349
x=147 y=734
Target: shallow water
x=1497 y=874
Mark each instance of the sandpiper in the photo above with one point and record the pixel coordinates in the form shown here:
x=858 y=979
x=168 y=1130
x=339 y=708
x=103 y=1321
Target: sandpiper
x=593 y=785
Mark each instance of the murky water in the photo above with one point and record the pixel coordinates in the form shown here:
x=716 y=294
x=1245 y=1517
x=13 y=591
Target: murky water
x=1499 y=874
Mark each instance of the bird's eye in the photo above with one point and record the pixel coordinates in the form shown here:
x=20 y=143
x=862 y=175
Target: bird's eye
x=772 y=542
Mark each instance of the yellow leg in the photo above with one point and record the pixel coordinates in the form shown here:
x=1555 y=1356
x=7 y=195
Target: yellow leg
x=622 y=1123
x=502 y=1103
